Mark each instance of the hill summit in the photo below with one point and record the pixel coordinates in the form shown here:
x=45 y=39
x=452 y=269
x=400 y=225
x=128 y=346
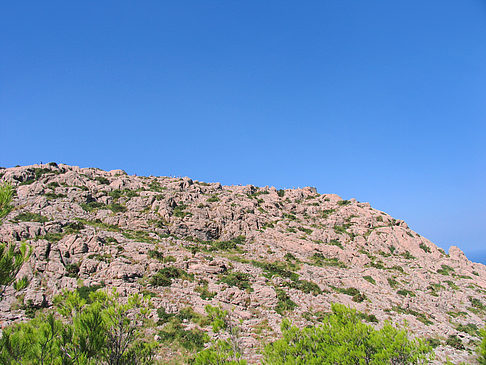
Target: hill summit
x=261 y=253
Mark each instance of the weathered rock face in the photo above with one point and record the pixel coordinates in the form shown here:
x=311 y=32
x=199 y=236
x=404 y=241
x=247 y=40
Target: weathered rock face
x=249 y=249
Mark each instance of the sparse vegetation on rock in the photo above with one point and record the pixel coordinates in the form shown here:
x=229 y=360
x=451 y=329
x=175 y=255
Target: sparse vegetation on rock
x=257 y=253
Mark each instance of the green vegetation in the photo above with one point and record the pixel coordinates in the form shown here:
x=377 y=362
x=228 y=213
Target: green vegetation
x=117 y=208
x=204 y=292
x=424 y=247
x=481 y=350
x=179 y=211
x=305 y=286
x=343 y=339
x=319 y=259
x=408 y=256
x=284 y=302
x=156 y=187
x=213 y=199
x=52 y=196
x=281 y=193
x=174 y=332
x=210 y=246
x=358 y=297
x=38 y=173
x=406 y=293
x=139 y=236
x=369 y=279
x=116 y=194
x=455 y=342
x=445 y=270
x=344 y=202
x=239 y=279
x=420 y=316
x=6 y=194
x=335 y=243
x=92 y=205
x=469 y=328
x=276 y=269
x=80 y=331
x=12 y=258
x=102 y=180
x=305 y=230
x=165 y=276
x=327 y=212
x=156 y=254
x=392 y=282
x=30 y=217
x=226 y=351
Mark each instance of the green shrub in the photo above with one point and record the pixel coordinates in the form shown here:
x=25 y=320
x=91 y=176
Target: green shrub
x=344 y=339
x=392 y=282
x=155 y=254
x=102 y=180
x=335 y=243
x=165 y=276
x=276 y=269
x=455 y=342
x=405 y=293
x=90 y=206
x=205 y=293
x=281 y=193
x=369 y=279
x=72 y=270
x=191 y=340
x=305 y=286
x=85 y=291
x=30 y=217
x=424 y=247
x=284 y=302
x=420 y=316
x=117 y=208
x=239 y=279
x=344 y=202
x=327 y=212
x=445 y=270
x=305 y=230
x=12 y=258
x=319 y=259
x=6 y=194
x=481 y=350
x=77 y=329
x=22 y=283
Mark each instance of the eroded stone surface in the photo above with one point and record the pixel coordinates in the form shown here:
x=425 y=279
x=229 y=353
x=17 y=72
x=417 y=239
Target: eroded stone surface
x=104 y=228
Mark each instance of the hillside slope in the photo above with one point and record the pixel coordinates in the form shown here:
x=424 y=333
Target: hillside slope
x=260 y=252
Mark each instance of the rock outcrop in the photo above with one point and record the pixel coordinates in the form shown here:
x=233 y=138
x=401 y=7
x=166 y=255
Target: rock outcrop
x=246 y=248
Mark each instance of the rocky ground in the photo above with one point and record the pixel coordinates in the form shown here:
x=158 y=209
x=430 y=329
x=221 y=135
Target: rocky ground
x=262 y=253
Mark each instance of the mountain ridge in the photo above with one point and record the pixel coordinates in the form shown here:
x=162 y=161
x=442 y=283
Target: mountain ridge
x=264 y=253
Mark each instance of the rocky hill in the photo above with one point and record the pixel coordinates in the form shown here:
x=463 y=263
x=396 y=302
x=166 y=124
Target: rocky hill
x=260 y=252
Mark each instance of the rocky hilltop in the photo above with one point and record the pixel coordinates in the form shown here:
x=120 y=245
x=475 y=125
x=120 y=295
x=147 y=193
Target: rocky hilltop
x=260 y=252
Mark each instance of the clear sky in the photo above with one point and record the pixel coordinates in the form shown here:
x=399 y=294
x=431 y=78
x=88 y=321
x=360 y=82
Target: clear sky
x=383 y=101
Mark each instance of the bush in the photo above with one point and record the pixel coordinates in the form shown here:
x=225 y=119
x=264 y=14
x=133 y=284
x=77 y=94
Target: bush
x=117 y=208
x=164 y=276
x=30 y=217
x=239 y=279
x=6 y=194
x=284 y=302
x=344 y=202
x=98 y=332
x=11 y=260
x=343 y=339
x=481 y=350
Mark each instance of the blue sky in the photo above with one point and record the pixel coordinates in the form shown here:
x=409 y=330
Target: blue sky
x=383 y=101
